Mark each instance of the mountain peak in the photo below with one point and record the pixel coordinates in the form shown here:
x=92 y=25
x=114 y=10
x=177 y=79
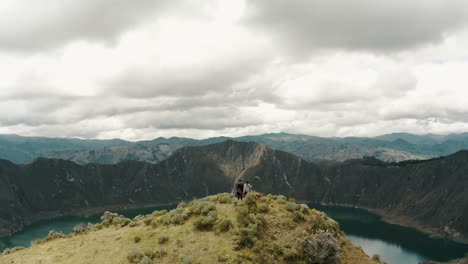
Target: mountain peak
x=260 y=229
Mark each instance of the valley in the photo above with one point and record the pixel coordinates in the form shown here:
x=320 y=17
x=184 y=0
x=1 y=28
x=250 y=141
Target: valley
x=425 y=194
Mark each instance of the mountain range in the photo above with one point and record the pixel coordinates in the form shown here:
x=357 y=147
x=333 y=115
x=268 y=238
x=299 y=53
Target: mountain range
x=390 y=147
x=431 y=194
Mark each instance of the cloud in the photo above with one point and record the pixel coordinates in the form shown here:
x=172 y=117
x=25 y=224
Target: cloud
x=306 y=26
x=182 y=57
x=220 y=67
x=333 y=82
x=38 y=25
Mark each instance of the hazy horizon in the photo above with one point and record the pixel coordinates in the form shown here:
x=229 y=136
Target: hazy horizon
x=246 y=135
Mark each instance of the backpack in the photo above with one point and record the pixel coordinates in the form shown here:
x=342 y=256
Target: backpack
x=240 y=187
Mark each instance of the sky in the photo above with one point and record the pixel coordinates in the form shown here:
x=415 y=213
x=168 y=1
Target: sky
x=143 y=69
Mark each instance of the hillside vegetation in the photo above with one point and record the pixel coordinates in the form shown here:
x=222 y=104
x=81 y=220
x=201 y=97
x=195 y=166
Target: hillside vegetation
x=215 y=229
x=423 y=194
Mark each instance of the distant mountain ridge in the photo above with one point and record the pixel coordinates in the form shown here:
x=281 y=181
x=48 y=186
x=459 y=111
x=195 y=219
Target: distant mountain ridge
x=390 y=147
x=428 y=194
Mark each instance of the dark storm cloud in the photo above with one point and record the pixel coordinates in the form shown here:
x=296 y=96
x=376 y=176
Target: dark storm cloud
x=36 y=25
x=305 y=25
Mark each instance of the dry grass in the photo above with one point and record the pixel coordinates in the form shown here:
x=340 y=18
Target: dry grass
x=276 y=241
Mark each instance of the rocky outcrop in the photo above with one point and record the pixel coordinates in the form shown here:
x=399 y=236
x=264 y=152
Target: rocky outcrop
x=429 y=194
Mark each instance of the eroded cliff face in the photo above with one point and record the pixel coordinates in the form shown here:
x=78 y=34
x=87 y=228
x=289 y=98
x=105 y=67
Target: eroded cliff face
x=432 y=194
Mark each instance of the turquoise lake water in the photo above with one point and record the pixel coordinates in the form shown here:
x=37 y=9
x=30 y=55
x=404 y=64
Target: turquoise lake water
x=395 y=244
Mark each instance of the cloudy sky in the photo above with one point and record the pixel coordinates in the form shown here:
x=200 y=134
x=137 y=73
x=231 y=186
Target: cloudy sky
x=144 y=69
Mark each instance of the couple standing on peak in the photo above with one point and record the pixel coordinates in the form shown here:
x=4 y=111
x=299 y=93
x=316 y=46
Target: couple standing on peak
x=241 y=189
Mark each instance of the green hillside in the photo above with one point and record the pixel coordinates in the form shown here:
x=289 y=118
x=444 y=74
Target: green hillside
x=215 y=229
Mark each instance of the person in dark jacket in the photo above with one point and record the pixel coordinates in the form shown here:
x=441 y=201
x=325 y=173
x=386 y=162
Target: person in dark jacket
x=239 y=190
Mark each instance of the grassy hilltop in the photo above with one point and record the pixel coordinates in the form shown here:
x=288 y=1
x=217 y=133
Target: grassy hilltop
x=215 y=229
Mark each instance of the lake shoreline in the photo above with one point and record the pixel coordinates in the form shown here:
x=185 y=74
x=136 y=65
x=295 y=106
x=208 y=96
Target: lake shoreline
x=79 y=213
x=395 y=219
x=146 y=208
x=400 y=220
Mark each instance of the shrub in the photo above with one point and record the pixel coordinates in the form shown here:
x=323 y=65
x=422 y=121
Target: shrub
x=163 y=239
x=159 y=213
x=291 y=207
x=134 y=256
x=277 y=250
x=213 y=214
x=51 y=236
x=149 y=253
x=138 y=217
x=137 y=238
x=204 y=223
x=322 y=247
x=320 y=221
x=376 y=257
x=298 y=217
x=160 y=253
x=12 y=250
x=242 y=215
x=179 y=243
x=177 y=219
x=292 y=255
x=95 y=227
x=263 y=208
x=145 y=260
x=177 y=216
x=247 y=236
x=182 y=205
x=264 y=253
x=224 y=198
x=304 y=208
x=154 y=223
x=107 y=218
x=133 y=223
x=281 y=197
x=223 y=258
x=184 y=260
x=251 y=201
x=292 y=199
x=121 y=221
x=148 y=221
x=79 y=229
x=156 y=254
x=265 y=199
x=202 y=207
x=223 y=225
x=260 y=221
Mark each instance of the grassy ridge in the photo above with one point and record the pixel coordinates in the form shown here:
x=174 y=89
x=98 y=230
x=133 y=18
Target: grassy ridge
x=215 y=229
